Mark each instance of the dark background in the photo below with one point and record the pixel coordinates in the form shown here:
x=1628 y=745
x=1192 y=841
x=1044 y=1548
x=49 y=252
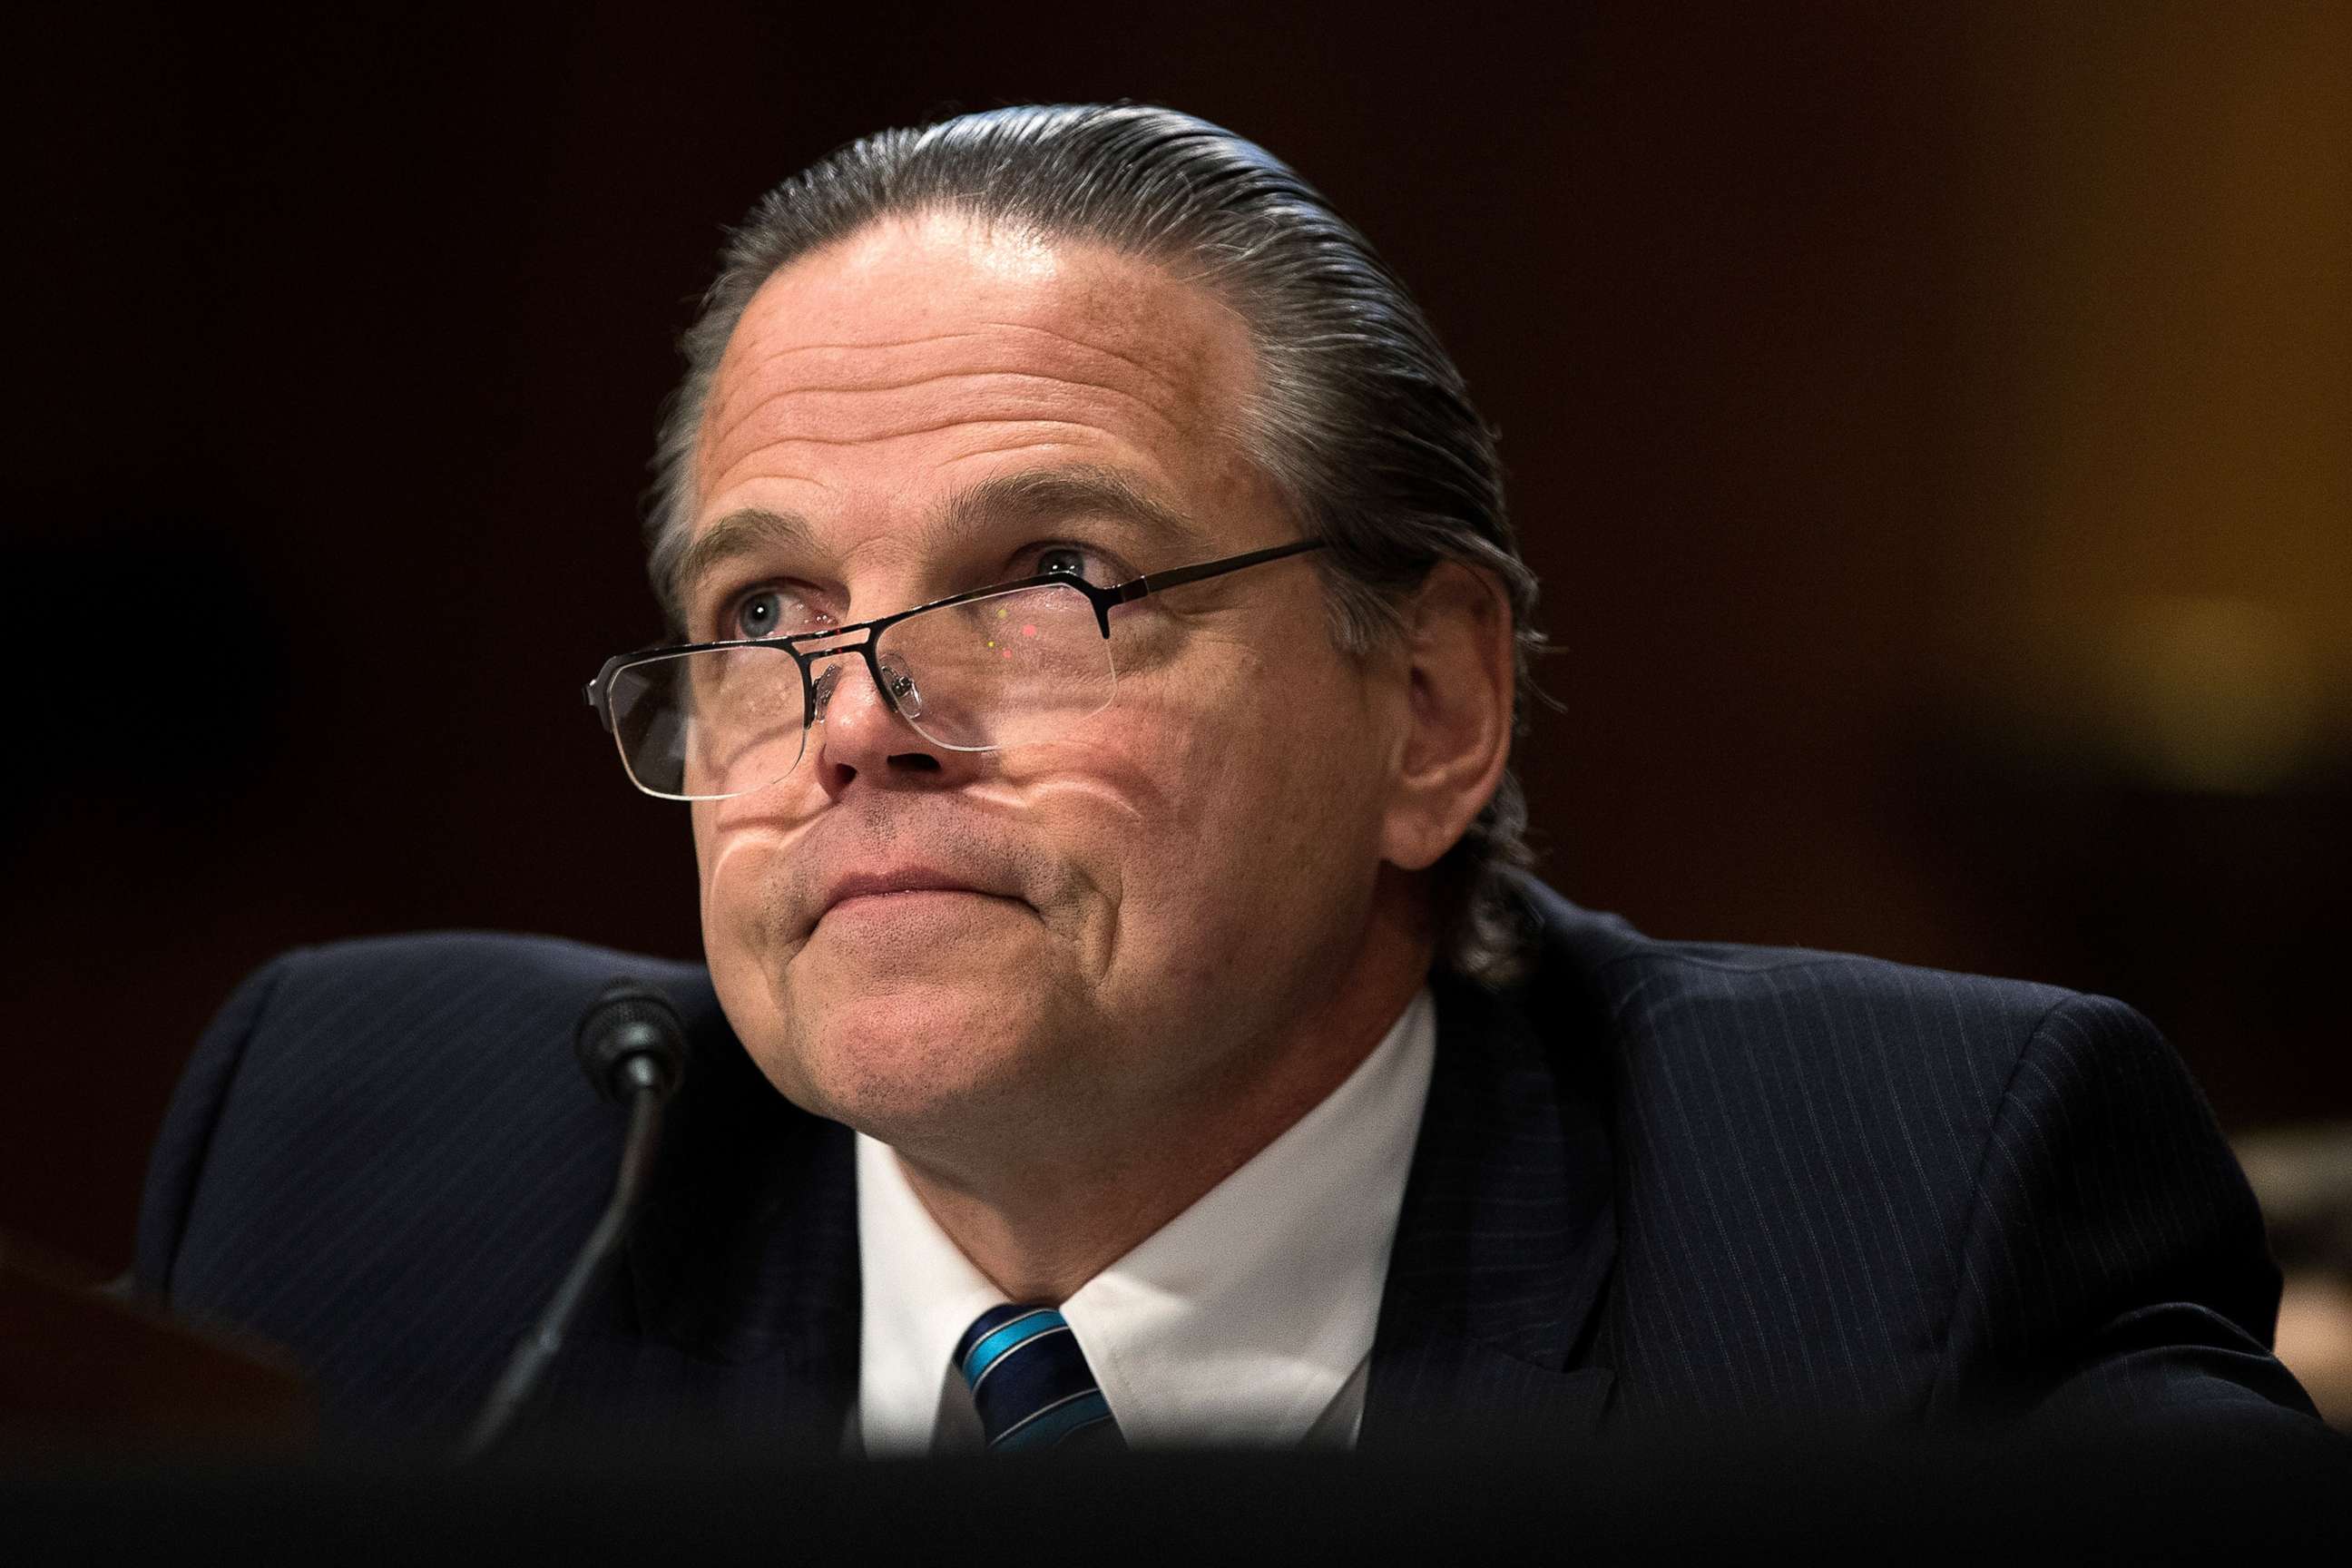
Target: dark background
x=1931 y=424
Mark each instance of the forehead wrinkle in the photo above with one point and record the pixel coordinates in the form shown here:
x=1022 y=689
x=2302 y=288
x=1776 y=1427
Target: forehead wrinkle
x=724 y=394
x=1106 y=285
x=1165 y=382
x=725 y=391
x=721 y=420
x=785 y=395
x=721 y=481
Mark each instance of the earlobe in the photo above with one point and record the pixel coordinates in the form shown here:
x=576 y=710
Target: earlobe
x=1461 y=674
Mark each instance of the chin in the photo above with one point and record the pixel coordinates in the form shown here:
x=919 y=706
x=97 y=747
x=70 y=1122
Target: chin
x=890 y=1003
x=910 y=1058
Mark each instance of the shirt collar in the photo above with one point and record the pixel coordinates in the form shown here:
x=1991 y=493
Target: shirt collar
x=921 y=1294
x=1237 y=1321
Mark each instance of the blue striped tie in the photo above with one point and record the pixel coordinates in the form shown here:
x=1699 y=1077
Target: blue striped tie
x=1030 y=1382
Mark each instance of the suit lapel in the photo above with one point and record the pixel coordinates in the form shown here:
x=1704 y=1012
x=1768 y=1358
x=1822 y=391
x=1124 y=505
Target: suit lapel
x=1503 y=1246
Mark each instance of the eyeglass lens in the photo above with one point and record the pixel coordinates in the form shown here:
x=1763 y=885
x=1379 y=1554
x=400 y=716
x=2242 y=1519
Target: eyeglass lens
x=997 y=671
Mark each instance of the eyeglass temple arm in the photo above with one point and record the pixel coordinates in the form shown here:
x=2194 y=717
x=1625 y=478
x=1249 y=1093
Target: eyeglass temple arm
x=595 y=694
x=1152 y=582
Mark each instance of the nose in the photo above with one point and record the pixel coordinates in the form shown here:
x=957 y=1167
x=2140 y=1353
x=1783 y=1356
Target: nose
x=862 y=732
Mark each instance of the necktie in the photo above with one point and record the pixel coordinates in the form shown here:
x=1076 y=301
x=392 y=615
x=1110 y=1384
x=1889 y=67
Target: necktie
x=1030 y=1381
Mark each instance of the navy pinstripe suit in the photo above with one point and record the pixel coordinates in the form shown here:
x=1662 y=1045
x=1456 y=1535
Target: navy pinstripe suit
x=1656 y=1181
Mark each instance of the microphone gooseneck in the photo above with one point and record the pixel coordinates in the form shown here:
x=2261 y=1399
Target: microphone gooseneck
x=633 y=1049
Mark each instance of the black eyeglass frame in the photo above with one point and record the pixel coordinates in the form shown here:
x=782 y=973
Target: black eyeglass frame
x=599 y=691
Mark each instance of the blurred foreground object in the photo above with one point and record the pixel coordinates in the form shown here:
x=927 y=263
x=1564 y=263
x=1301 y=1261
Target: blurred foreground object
x=1939 y=1502
x=82 y=1373
x=2303 y=1177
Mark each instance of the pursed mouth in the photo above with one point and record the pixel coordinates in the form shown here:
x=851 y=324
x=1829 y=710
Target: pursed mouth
x=906 y=891
x=889 y=894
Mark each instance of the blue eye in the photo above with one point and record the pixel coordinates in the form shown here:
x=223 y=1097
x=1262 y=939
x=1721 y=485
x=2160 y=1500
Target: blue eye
x=758 y=614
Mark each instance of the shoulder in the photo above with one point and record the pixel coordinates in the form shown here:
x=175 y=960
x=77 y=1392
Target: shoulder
x=461 y=1006
x=333 y=1068
x=431 y=968
x=1807 y=1146
x=1777 y=1023
x=384 y=1155
x=378 y=1030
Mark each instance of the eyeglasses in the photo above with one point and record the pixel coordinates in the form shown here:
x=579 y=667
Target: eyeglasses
x=996 y=666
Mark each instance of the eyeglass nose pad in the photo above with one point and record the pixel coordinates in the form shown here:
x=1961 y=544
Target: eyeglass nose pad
x=905 y=695
x=827 y=678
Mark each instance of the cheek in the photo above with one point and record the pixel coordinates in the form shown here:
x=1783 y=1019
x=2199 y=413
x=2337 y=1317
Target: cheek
x=719 y=872
x=1223 y=818
x=742 y=887
x=731 y=883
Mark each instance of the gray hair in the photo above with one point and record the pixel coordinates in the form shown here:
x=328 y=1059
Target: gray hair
x=1361 y=420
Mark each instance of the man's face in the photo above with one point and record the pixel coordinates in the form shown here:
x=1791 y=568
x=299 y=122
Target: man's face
x=1138 y=913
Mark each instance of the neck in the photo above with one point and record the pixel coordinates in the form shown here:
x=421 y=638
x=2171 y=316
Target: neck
x=1042 y=1225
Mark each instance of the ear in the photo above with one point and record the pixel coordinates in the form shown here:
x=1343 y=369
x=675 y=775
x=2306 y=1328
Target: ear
x=1457 y=721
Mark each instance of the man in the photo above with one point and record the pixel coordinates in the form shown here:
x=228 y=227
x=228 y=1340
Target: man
x=1096 y=643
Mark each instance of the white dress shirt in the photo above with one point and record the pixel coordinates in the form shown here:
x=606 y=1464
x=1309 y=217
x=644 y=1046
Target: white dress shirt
x=1247 y=1319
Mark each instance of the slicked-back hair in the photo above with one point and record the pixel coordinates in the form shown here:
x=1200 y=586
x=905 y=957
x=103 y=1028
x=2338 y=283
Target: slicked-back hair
x=1360 y=418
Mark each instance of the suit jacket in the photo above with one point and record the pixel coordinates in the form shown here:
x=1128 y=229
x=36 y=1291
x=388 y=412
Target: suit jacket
x=1656 y=1183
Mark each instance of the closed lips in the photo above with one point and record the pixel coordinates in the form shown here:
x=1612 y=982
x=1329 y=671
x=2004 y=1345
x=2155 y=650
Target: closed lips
x=867 y=885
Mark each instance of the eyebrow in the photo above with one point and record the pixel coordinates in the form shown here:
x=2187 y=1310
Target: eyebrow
x=1041 y=495
x=1032 y=494
x=749 y=530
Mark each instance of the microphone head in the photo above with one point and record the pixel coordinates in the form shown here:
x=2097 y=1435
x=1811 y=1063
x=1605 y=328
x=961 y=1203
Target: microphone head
x=630 y=1037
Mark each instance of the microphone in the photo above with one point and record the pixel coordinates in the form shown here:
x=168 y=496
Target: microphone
x=630 y=1040
x=633 y=1049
